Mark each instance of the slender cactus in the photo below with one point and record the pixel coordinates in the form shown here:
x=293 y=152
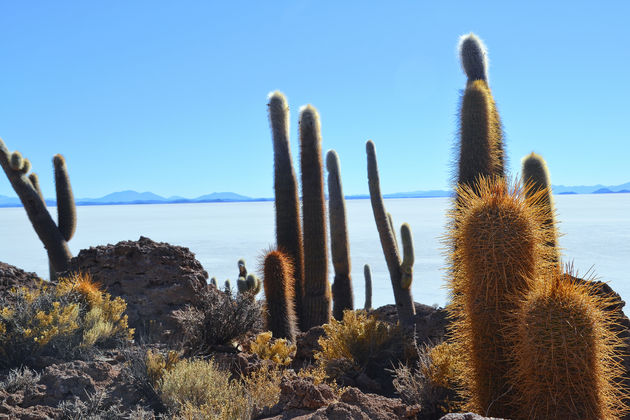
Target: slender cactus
x=401 y=276
x=536 y=176
x=339 y=246
x=368 y=287
x=51 y=236
x=481 y=136
x=316 y=297
x=288 y=229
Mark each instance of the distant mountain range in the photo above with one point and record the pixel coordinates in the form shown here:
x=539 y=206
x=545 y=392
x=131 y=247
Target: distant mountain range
x=134 y=197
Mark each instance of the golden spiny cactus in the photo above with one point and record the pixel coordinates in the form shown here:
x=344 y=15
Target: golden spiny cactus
x=499 y=250
x=565 y=353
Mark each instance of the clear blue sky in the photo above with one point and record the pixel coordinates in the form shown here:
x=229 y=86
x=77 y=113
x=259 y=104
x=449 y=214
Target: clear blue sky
x=170 y=97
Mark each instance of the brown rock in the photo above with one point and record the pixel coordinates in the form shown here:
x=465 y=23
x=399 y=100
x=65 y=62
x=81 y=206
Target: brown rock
x=431 y=322
x=307 y=345
x=11 y=276
x=154 y=278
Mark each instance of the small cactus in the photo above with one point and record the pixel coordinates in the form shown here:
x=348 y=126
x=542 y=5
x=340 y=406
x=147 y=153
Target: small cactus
x=249 y=284
x=367 y=273
x=400 y=272
x=316 y=299
x=280 y=314
x=213 y=281
x=339 y=245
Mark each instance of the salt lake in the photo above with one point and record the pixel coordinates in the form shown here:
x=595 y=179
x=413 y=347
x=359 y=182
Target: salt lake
x=595 y=228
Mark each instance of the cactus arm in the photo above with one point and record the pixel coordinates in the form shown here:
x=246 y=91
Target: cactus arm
x=66 y=208
x=390 y=220
x=404 y=301
x=408 y=256
x=316 y=299
x=342 y=286
x=368 y=287
x=288 y=228
x=536 y=178
x=45 y=227
x=35 y=183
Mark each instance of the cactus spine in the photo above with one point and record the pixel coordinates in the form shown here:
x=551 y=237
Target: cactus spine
x=399 y=271
x=565 y=351
x=368 y=287
x=288 y=229
x=316 y=297
x=499 y=249
x=481 y=135
x=536 y=177
x=280 y=315
x=342 y=286
x=27 y=188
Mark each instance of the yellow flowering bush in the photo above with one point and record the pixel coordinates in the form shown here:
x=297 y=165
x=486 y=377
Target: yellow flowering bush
x=64 y=321
x=279 y=351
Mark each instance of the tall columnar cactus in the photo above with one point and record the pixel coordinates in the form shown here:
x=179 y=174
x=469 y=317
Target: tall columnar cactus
x=400 y=272
x=288 y=228
x=339 y=246
x=278 y=283
x=499 y=250
x=26 y=186
x=566 y=351
x=368 y=287
x=316 y=296
x=480 y=135
x=536 y=176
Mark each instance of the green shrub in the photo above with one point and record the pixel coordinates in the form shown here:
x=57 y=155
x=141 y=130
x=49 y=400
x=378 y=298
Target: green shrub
x=71 y=319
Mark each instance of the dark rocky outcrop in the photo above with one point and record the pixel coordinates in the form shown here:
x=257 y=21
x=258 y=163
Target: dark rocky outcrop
x=154 y=278
x=11 y=276
x=468 y=416
x=431 y=322
x=301 y=399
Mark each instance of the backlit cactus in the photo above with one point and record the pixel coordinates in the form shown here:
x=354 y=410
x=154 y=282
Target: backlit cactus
x=277 y=279
x=536 y=176
x=499 y=250
x=26 y=186
x=339 y=245
x=565 y=351
x=316 y=298
x=400 y=272
x=287 y=206
x=480 y=134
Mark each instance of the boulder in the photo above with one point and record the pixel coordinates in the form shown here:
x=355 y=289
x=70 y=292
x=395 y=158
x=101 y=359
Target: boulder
x=431 y=322
x=154 y=278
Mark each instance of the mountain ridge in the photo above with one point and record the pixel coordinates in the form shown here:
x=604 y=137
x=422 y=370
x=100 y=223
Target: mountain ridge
x=147 y=197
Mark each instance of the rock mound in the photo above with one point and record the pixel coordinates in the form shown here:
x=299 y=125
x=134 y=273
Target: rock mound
x=11 y=276
x=154 y=278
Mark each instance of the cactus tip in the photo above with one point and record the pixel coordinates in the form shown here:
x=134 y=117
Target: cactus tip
x=332 y=160
x=474 y=57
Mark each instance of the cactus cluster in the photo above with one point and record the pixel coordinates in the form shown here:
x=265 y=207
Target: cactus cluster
x=54 y=236
x=536 y=344
x=306 y=244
